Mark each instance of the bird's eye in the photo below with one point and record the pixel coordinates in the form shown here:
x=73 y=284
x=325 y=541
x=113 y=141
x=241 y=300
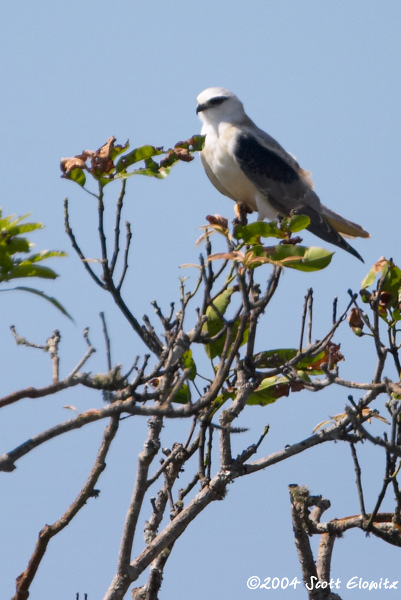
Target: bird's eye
x=216 y=101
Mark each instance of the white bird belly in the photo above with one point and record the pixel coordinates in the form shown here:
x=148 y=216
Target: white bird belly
x=226 y=175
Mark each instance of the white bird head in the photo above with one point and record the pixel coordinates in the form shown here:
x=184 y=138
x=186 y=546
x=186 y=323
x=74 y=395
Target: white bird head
x=217 y=104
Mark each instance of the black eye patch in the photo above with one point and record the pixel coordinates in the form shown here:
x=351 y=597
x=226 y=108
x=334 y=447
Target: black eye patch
x=216 y=101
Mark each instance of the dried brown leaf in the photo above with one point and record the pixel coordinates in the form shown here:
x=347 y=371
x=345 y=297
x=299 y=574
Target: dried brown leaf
x=355 y=319
x=366 y=413
x=101 y=159
x=379 y=265
x=69 y=164
x=235 y=255
x=332 y=354
x=217 y=220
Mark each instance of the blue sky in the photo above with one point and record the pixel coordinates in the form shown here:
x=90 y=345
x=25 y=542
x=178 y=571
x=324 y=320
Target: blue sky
x=324 y=79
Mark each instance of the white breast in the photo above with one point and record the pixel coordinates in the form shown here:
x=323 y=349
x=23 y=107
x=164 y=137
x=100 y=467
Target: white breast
x=218 y=153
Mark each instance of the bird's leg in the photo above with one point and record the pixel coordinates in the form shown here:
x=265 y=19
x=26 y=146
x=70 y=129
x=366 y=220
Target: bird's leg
x=241 y=211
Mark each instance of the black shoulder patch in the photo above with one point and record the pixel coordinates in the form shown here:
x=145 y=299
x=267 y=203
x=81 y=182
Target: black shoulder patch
x=255 y=158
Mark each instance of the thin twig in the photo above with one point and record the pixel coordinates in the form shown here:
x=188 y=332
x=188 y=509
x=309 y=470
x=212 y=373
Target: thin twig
x=335 y=303
x=310 y=319
x=128 y=238
x=194 y=421
x=86 y=356
x=117 y=227
x=358 y=480
x=21 y=341
x=77 y=248
x=209 y=454
x=106 y=340
x=102 y=235
x=303 y=320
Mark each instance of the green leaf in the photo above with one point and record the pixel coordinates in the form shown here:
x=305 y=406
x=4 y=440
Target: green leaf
x=302 y=258
x=189 y=363
x=396 y=314
x=269 y=391
x=386 y=269
x=365 y=295
x=151 y=169
x=78 y=176
x=28 y=269
x=50 y=299
x=391 y=284
x=175 y=155
x=296 y=223
x=219 y=401
x=252 y=232
x=218 y=307
x=16 y=229
x=44 y=254
x=142 y=153
x=197 y=143
x=11 y=244
x=14 y=246
x=117 y=150
x=11 y=220
x=183 y=395
x=273 y=388
x=217 y=347
x=214 y=323
x=370 y=277
x=270 y=359
x=305 y=365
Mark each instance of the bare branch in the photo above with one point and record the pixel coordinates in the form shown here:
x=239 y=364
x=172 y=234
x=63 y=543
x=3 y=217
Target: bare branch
x=25 y=579
x=145 y=458
x=21 y=341
x=299 y=512
x=52 y=343
x=77 y=248
x=102 y=235
x=213 y=491
x=41 y=392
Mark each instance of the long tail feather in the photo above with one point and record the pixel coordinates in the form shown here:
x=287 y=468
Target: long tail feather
x=343 y=226
x=321 y=226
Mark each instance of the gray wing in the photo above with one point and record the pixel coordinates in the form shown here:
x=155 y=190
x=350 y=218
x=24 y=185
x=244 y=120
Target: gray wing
x=273 y=172
x=277 y=175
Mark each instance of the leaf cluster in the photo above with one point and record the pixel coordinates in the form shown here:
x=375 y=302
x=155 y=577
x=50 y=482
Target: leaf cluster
x=247 y=248
x=103 y=165
x=386 y=298
x=16 y=259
